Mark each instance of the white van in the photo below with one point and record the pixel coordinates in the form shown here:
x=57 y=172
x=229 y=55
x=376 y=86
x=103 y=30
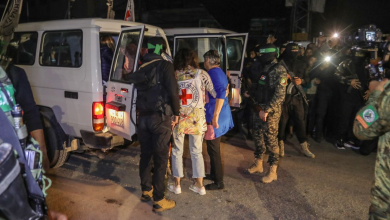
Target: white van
x=121 y=94
x=68 y=89
x=230 y=45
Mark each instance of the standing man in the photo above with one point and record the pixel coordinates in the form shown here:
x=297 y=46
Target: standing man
x=294 y=104
x=268 y=94
x=352 y=85
x=158 y=109
x=373 y=121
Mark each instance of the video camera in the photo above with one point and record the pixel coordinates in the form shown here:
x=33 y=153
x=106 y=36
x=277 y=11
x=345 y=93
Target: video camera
x=368 y=36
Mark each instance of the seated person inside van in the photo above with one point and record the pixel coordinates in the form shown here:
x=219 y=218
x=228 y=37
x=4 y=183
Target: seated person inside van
x=130 y=53
x=107 y=48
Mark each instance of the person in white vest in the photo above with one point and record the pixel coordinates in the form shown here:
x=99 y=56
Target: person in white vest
x=193 y=85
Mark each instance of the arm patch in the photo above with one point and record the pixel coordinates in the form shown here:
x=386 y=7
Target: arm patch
x=367 y=116
x=283 y=81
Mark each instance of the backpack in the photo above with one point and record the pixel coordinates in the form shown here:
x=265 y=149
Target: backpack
x=151 y=96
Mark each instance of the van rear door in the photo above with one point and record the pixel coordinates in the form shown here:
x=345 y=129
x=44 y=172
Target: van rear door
x=235 y=50
x=121 y=95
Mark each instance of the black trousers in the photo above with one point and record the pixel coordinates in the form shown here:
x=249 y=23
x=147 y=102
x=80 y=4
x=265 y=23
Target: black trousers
x=348 y=113
x=323 y=100
x=311 y=114
x=214 y=151
x=154 y=134
x=295 y=109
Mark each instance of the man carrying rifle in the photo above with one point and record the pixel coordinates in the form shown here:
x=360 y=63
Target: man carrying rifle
x=267 y=93
x=295 y=104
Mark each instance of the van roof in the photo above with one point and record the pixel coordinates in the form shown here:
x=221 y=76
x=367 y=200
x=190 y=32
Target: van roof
x=196 y=30
x=106 y=25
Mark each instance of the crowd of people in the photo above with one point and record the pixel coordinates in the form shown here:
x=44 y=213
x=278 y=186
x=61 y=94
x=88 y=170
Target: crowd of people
x=334 y=80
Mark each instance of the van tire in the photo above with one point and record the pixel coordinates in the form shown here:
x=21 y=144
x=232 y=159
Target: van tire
x=54 y=138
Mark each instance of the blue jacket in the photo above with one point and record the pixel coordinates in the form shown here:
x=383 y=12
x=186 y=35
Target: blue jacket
x=225 y=121
x=106 y=55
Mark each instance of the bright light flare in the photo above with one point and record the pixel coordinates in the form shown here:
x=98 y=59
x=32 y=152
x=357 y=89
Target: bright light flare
x=327 y=59
x=335 y=35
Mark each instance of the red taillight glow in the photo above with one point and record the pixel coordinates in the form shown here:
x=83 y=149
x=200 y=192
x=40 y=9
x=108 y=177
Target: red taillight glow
x=98 y=116
x=98 y=110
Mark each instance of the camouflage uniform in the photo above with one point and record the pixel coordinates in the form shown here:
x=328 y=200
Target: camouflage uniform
x=373 y=120
x=265 y=132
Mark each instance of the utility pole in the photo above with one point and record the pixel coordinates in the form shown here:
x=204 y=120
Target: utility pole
x=301 y=19
x=110 y=12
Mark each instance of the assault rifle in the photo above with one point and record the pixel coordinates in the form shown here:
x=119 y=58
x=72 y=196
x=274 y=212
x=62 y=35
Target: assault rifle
x=298 y=87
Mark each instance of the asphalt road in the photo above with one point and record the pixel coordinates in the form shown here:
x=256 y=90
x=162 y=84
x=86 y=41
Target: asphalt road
x=334 y=185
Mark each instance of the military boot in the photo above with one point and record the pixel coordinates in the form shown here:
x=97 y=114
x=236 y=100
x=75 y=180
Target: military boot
x=256 y=167
x=305 y=150
x=163 y=204
x=272 y=176
x=147 y=195
x=281 y=148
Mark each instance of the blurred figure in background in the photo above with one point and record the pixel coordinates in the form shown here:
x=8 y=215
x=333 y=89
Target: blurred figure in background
x=107 y=48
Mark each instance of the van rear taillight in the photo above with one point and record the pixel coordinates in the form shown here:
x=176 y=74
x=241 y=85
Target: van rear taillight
x=98 y=116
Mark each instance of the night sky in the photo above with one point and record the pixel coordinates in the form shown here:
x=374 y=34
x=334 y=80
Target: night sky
x=236 y=14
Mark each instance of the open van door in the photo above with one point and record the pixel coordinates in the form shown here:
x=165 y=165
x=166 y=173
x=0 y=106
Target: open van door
x=235 y=50
x=121 y=95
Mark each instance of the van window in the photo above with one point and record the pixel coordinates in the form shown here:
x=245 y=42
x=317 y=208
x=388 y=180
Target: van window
x=235 y=47
x=125 y=57
x=201 y=45
x=62 y=48
x=23 y=47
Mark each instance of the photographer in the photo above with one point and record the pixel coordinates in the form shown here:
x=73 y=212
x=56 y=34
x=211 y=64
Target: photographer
x=372 y=121
x=352 y=89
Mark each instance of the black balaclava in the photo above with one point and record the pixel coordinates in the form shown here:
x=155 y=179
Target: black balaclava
x=291 y=52
x=268 y=52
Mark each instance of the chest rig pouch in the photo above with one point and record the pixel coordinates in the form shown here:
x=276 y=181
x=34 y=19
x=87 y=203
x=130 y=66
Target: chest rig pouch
x=263 y=90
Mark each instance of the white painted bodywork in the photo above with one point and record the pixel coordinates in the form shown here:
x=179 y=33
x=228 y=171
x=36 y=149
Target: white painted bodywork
x=49 y=83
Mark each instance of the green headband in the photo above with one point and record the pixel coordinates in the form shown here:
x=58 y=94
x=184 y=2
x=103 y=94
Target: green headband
x=156 y=48
x=270 y=50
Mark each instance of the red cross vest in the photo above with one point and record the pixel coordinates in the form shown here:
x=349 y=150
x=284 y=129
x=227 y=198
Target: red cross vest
x=191 y=94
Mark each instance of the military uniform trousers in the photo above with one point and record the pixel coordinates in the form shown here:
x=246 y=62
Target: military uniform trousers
x=265 y=136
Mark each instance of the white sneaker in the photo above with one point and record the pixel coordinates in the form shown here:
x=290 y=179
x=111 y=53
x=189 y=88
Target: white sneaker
x=200 y=190
x=173 y=188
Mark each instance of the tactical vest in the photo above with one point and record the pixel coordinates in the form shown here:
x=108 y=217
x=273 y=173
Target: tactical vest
x=262 y=90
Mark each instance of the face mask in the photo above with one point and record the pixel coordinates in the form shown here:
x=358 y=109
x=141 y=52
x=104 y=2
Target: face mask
x=266 y=58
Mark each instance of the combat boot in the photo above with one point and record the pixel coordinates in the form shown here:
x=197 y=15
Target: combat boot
x=281 y=148
x=163 y=204
x=305 y=150
x=272 y=176
x=256 y=167
x=147 y=195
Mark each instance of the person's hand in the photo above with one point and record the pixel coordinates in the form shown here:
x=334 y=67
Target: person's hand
x=56 y=215
x=175 y=120
x=297 y=81
x=355 y=84
x=246 y=94
x=377 y=85
x=367 y=95
x=318 y=81
x=215 y=122
x=263 y=115
x=288 y=76
x=271 y=40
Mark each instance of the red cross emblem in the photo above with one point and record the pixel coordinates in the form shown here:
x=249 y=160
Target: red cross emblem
x=184 y=96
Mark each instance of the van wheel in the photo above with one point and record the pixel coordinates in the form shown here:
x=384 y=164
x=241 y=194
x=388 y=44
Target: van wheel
x=55 y=140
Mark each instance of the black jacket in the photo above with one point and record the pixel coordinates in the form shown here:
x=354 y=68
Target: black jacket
x=24 y=97
x=169 y=81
